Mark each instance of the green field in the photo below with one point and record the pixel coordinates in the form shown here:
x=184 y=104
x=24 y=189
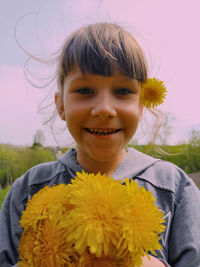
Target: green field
x=14 y=161
x=186 y=156
x=3 y=194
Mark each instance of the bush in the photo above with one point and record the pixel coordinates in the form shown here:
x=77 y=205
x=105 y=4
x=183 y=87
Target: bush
x=16 y=161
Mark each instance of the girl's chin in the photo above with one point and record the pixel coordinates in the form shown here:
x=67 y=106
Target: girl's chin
x=106 y=155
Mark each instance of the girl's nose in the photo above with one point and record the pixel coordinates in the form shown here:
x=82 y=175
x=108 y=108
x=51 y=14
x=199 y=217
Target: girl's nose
x=103 y=107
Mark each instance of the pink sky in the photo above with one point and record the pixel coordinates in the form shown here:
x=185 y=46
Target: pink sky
x=168 y=31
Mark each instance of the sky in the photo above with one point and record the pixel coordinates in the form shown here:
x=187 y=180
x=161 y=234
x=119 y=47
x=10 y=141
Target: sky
x=168 y=31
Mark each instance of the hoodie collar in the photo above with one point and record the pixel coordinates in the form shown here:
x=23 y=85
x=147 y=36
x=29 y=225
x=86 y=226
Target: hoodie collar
x=132 y=165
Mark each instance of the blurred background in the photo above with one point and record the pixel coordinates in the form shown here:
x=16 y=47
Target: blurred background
x=167 y=30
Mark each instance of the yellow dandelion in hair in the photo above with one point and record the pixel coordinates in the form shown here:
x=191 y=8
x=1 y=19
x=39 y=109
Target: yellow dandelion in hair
x=96 y=220
x=144 y=222
x=46 y=247
x=48 y=202
x=153 y=93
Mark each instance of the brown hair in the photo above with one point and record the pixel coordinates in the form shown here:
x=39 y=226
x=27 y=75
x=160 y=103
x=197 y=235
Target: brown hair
x=98 y=49
x=95 y=48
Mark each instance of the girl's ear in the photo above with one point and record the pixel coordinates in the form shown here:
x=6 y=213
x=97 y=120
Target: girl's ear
x=59 y=105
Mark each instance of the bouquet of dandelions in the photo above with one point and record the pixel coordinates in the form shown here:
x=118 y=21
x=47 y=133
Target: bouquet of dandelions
x=95 y=221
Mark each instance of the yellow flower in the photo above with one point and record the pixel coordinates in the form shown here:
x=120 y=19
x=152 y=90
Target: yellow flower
x=49 y=202
x=112 y=260
x=26 y=246
x=90 y=260
x=47 y=247
x=153 y=93
x=95 y=221
x=98 y=216
x=144 y=223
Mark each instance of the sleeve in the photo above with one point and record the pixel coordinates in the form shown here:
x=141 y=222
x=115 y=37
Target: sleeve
x=184 y=239
x=10 y=231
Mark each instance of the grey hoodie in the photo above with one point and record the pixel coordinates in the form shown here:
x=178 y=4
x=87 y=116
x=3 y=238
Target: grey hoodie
x=176 y=195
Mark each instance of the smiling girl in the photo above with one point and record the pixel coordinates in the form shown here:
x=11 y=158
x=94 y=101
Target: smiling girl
x=101 y=71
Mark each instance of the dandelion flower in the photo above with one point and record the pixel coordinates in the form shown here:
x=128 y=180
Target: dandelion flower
x=48 y=202
x=26 y=246
x=90 y=260
x=144 y=223
x=47 y=247
x=153 y=93
x=111 y=260
x=96 y=220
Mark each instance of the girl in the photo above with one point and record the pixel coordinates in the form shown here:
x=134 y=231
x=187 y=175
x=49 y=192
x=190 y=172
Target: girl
x=100 y=73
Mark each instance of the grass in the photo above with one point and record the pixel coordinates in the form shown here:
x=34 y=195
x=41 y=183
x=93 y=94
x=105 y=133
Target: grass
x=3 y=193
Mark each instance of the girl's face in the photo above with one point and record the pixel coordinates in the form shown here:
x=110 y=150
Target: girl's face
x=101 y=112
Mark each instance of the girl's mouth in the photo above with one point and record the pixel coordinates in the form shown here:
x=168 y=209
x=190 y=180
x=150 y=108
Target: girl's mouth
x=102 y=132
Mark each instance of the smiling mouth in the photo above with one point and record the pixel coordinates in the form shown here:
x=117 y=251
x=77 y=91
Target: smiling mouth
x=102 y=132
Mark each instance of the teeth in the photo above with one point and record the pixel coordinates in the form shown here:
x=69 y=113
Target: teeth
x=102 y=132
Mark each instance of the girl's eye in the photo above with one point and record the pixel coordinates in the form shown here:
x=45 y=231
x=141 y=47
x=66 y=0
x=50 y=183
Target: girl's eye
x=123 y=91
x=85 y=91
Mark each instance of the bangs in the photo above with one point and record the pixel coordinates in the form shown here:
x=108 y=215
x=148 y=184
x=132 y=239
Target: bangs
x=101 y=48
